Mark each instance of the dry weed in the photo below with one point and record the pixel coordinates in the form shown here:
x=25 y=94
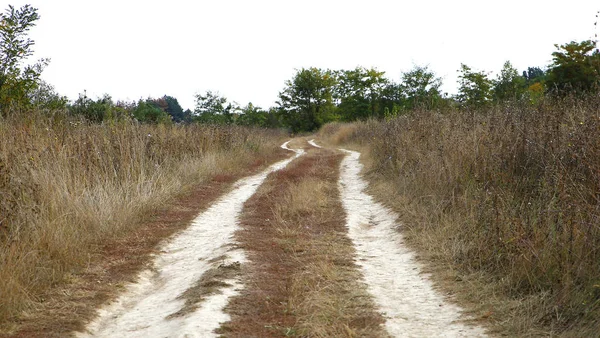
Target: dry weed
x=504 y=202
x=67 y=188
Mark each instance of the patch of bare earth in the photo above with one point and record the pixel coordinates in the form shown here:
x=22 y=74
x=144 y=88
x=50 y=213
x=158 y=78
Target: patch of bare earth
x=301 y=279
x=68 y=307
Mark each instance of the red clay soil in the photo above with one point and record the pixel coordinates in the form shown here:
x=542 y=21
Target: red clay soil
x=263 y=308
x=68 y=307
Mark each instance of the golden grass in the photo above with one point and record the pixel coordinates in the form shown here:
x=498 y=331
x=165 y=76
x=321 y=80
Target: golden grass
x=302 y=280
x=503 y=202
x=67 y=188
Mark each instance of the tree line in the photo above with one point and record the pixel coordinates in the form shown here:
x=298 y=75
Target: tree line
x=311 y=98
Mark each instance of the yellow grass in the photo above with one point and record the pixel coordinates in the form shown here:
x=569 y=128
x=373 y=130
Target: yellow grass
x=67 y=187
x=503 y=201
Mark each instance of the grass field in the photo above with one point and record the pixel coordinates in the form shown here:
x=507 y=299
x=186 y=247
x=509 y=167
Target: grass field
x=67 y=187
x=504 y=202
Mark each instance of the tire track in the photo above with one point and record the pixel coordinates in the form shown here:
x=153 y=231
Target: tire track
x=406 y=297
x=147 y=307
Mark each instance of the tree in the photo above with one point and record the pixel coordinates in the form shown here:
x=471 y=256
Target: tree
x=307 y=100
x=535 y=81
x=94 y=111
x=533 y=75
x=359 y=92
x=171 y=106
x=45 y=97
x=392 y=99
x=213 y=108
x=575 y=67
x=474 y=88
x=421 y=88
x=17 y=83
x=509 y=84
x=148 y=112
x=252 y=115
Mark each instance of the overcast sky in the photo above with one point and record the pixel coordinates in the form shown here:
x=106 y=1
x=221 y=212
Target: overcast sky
x=246 y=50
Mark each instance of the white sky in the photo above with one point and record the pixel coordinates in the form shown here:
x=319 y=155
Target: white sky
x=247 y=49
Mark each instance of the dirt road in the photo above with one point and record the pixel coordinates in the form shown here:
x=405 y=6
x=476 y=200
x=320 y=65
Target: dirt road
x=150 y=307
x=187 y=291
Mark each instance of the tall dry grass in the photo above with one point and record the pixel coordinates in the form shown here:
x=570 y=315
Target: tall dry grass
x=67 y=187
x=510 y=195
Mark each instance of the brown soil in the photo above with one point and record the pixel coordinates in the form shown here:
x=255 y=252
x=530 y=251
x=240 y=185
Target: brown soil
x=68 y=307
x=301 y=279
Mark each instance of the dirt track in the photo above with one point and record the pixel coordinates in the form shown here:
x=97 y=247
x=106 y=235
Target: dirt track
x=191 y=282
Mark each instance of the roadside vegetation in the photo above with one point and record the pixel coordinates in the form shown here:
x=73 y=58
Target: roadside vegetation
x=503 y=200
x=68 y=187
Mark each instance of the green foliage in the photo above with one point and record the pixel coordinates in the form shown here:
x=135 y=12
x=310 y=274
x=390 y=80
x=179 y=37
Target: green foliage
x=170 y=105
x=148 y=112
x=307 y=99
x=392 y=99
x=253 y=116
x=509 y=85
x=359 y=93
x=211 y=103
x=214 y=109
x=94 y=111
x=475 y=88
x=575 y=67
x=421 y=88
x=17 y=82
x=534 y=75
x=100 y=110
x=175 y=110
x=46 y=98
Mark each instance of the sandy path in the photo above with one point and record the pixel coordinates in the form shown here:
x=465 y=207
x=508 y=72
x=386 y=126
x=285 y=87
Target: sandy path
x=143 y=308
x=312 y=143
x=405 y=296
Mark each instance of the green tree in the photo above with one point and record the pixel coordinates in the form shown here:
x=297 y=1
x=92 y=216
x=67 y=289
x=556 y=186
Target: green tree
x=421 y=87
x=307 y=99
x=45 y=97
x=474 y=88
x=252 y=115
x=147 y=111
x=533 y=75
x=171 y=106
x=95 y=111
x=17 y=82
x=176 y=111
x=535 y=81
x=575 y=67
x=359 y=92
x=509 y=84
x=211 y=107
x=393 y=99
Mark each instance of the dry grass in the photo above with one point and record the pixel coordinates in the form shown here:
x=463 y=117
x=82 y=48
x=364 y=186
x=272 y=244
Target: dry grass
x=68 y=306
x=68 y=188
x=302 y=280
x=505 y=202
